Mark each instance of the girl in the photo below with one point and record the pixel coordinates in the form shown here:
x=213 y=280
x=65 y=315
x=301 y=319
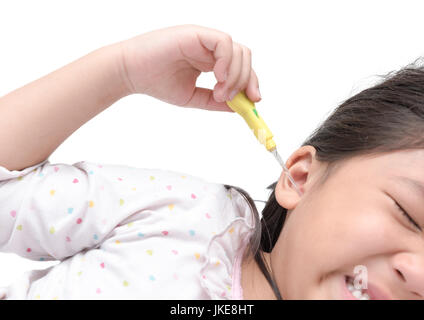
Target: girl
x=135 y=233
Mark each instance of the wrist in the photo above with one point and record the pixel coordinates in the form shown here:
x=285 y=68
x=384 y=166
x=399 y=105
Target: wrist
x=118 y=71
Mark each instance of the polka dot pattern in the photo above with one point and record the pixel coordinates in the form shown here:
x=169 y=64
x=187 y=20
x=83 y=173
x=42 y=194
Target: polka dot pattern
x=125 y=232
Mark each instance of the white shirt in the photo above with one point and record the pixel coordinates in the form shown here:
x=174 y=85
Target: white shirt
x=122 y=233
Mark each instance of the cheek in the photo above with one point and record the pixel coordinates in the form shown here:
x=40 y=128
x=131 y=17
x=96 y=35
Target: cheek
x=349 y=234
x=361 y=233
x=333 y=238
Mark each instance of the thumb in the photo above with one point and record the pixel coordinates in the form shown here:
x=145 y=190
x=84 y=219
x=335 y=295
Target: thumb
x=202 y=98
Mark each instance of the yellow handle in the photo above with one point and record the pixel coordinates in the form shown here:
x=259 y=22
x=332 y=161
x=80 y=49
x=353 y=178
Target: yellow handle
x=246 y=108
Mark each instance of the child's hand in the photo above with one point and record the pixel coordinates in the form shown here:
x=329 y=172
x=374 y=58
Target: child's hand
x=166 y=63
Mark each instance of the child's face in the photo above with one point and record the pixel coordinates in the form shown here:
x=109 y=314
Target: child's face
x=352 y=220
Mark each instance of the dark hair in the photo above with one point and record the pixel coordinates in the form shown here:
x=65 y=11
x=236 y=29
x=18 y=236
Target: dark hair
x=386 y=117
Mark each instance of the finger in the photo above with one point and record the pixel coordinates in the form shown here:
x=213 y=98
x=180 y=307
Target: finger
x=234 y=74
x=221 y=44
x=243 y=80
x=203 y=98
x=252 y=90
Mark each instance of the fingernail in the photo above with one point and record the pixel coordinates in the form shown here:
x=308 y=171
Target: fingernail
x=259 y=94
x=232 y=94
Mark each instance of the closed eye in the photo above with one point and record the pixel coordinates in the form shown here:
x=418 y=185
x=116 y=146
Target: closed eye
x=405 y=214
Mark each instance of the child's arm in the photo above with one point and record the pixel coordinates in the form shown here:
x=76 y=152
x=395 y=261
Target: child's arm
x=37 y=118
x=56 y=210
x=165 y=64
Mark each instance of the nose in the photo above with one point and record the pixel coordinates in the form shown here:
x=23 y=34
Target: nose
x=409 y=270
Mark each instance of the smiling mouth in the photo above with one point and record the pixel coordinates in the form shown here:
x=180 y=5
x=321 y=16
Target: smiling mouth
x=360 y=294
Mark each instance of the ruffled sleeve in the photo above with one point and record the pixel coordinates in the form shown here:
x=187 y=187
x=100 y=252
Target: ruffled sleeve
x=220 y=275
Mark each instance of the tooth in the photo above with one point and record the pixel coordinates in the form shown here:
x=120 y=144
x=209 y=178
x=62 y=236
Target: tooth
x=365 y=296
x=357 y=294
x=350 y=287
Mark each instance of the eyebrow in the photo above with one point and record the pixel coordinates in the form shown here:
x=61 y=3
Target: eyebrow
x=416 y=186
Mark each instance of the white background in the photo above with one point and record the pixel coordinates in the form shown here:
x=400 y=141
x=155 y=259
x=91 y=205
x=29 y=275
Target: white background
x=309 y=57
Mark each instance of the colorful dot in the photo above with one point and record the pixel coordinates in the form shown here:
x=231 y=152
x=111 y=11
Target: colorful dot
x=149 y=252
x=152 y=277
x=197 y=255
x=75 y=180
x=120 y=179
x=95 y=237
x=79 y=273
x=192 y=232
x=52 y=230
x=91 y=172
x=152 y=178
x=208 y=215
x=170 y=206
x=91 y=204
x=13 y=213
x=19 y=227
x=102 y=265
x=28 y=250
x=79 y=220
x=231 y=230
x=52 y=192
x=117 y=242
x=130 y=224
x=98 y=291
x=193 y=196
x=70 y=210
x=169 y=187
x=121 y=202
x=125 y=283
x=165 y=233
x=140 y=234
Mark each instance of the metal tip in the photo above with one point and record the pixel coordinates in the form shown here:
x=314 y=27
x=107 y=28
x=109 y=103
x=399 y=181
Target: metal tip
x=280 y=161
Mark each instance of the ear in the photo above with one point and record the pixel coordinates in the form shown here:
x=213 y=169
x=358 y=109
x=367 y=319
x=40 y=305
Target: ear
x=301 y=165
